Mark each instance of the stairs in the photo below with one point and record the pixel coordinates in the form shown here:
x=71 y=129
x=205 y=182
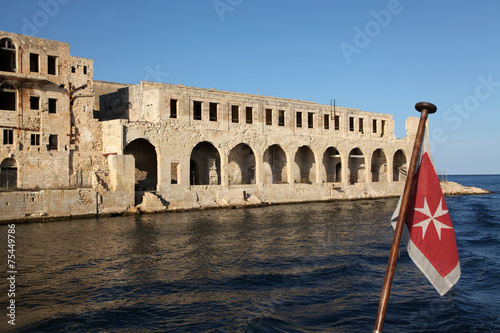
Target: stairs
x=152 y=203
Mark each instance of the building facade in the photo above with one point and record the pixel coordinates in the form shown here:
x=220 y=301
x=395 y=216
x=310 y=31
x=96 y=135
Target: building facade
x=174 y=146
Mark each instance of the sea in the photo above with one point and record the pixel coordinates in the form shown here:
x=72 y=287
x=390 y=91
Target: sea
x=312 y=267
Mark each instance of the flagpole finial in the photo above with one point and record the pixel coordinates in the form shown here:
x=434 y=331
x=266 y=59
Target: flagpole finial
x=431 y=108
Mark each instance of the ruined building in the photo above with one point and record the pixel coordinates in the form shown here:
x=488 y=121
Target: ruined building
x=74 y=146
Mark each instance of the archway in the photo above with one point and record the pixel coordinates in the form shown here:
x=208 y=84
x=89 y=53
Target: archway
x=7 y=55
x=275 y=165
x=205 y=165
x=400 y=167
x=379 y=166
x=305 y=165
x=356 y=166
x=241 y=166
x=146 y=174
x=8 y=174
x=333 y=165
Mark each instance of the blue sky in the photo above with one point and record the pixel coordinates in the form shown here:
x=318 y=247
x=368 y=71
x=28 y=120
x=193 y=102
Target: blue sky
x=380 y=56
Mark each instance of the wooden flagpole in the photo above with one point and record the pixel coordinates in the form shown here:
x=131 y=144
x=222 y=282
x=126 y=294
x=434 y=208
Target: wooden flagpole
x=424 y=109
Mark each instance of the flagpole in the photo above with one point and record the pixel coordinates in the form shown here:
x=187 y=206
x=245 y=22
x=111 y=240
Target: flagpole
x=425 y=109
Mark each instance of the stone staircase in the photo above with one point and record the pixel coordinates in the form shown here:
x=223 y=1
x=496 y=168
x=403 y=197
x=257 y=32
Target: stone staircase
x=152 y=202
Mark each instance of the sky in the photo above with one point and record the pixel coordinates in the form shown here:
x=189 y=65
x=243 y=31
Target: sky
x=379 y=56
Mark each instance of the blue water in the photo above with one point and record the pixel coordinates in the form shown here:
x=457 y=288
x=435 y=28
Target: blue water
x=289 y=268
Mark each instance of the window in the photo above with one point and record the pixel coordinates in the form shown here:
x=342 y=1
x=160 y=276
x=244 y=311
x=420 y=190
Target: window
x=35 y=139
x=281 y=118
x=85 y=70
x=213 y=111
x=174 y=173
x=310 y=120
x=326 y=122
x=8 y=137
x=7 y=97
x=7 y=55
x=235 y=114
x=337 y=123
x=197 y=110
x=34 y=63
x=374 y=125
x=299 y=119
x=52 y=105
x=361 y=125
x=173 y=108
x=73 y=69
x=34 y=102
x=52 y=65
x=52 y=142
x=249 y=114
x=351 y=124
x=269 y=116
x=382 y=129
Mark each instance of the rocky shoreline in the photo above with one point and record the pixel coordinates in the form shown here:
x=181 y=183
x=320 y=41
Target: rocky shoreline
x=452 y=188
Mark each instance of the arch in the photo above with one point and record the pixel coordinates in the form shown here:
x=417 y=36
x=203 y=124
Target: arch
x=400 y=167
x=205 y=165
x=356 y=166
x=7 y=55
x=333 y=165
x=8 y=97
x=275 y=162
x=241 y=166
x=8 y=173
x=379 y=166
x=305 y=165
x=146 y=166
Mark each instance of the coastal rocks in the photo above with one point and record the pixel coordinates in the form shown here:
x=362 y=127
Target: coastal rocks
x=452 y=188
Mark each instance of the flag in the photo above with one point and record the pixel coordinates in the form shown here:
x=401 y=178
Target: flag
x=428 y=230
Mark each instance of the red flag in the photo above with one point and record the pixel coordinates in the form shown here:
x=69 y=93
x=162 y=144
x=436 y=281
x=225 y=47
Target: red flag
x=428 y=228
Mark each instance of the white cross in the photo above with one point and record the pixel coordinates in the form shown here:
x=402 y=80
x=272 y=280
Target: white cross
x=432 y=218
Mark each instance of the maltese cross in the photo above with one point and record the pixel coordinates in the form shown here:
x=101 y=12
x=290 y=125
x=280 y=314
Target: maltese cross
x=432 y=218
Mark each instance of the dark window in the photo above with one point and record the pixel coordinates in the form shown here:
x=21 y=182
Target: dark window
x=351 y=124
x=35 y=139
x=213 y=111
x=34 y=102
x=7 y=97
x=52 y=65
x=281 y=118
x=7 y=55
x=361 y=125
x=299 y=119
x=382 y=130
x=52 y=142
x=8 y=137
x=249 y=114
x=85 y=70
x=34 y=63
x=269 y=116
x=173 y=108
x=374 y=125
x=337 y=123
x=197 y=110
x=235 y=114
x=310 y=120
x=73 y=69
x=52 y=105
x=326 y=122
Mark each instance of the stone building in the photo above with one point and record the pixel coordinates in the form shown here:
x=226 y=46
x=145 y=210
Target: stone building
x=164 y=146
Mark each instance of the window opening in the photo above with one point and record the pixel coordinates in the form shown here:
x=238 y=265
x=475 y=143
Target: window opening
x=52 y=65
x=197 y=110
x=73 y=69
x=269 y=116
x=361 y=125
x=52 y=142
x=34 y=102
x=351 y=124
x=249 y=114
x=382 y=129
x=35 y=139
x=173 y=108
x=52 y=105
x=85 y=70
x=374 y=125
x=213 y=111
x=299 y=119
x=7 y=97
x=174 y=173
x=8 y=137
x=281 y=118
x=337 y=123
x=7 y=55
x=310 y=120
x=34 y=63
x=235 y=114
x=326 y=122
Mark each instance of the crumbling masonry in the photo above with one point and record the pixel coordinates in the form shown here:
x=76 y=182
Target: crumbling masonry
x=74 y=146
